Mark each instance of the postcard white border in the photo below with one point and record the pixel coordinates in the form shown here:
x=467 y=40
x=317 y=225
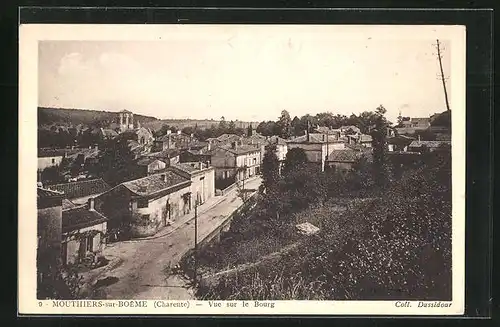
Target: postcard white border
x=30 y=34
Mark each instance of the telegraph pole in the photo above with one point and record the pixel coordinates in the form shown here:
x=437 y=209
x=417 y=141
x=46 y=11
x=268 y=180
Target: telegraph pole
x=442 y=74
x=196 y=241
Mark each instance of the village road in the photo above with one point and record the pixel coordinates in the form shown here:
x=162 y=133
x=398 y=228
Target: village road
x=142 y=272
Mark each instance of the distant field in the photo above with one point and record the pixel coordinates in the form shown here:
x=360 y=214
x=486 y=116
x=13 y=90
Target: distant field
x=202 y=124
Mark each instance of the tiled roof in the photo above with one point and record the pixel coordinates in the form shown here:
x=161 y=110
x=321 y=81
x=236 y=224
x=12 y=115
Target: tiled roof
x=356 y=147
x=303 y=139
x=80 y=217
x=241 y=149
x=400 y=140
x=429 y=144
x=154 y=183
x=82 y=188
x=189 y=167
x=42 y=193
x=276 y=140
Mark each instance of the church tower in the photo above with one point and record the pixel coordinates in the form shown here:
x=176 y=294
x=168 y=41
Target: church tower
x=126 y=120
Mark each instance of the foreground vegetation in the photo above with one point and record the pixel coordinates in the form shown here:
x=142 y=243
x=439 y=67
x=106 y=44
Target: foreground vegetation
x=395 y=246
x=392 y=240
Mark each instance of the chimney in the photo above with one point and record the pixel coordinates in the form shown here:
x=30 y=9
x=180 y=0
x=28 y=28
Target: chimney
x=419 y=137
x=209 y=145
x=169 y=132
x=178 y=132
x=201 y=165
x=91 y=204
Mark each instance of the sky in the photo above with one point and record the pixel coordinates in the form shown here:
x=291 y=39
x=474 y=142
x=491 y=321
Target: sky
x=243 y=74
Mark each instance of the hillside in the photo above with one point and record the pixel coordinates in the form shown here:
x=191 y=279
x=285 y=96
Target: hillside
x=73 y=117
x=64 y=116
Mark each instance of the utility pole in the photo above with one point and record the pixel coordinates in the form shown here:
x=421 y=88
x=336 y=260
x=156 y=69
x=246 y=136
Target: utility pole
x=196 y=241
x=443 y=79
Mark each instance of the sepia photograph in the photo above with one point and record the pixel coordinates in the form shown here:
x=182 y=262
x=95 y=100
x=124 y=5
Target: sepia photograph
x=246 y=163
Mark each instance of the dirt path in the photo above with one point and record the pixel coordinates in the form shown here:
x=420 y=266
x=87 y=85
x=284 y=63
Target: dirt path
x=142 y=273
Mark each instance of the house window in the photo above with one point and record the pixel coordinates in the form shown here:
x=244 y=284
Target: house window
x=142 y=203
x=53 y=161
x=254 y=161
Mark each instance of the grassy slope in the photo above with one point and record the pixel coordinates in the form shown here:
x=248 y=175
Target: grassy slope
x=394 y=247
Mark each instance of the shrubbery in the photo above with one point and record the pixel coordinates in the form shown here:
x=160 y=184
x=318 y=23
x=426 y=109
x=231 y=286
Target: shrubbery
x=396 y=246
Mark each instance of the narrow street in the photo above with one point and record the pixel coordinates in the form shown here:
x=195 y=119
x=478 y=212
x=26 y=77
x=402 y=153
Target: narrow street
x=141 y=273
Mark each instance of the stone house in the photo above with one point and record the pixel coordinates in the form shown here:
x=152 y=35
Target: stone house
x=196 y=155
x=360 y=139
x=164 y=142
x=168 y=156
x=316 y=147
x=144 y=136
x=418 y=146
x=149 y=165
x=411 y=125
x=49 y=224
x=83 y=231
x=342 y=161
x=146 y=204
x=49 y=220
x=230 y=162
x=79 y=192
x=53 y=157
x=399 y=143
x=202 y=178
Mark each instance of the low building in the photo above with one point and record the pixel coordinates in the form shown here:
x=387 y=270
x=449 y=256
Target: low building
x=164 y=142
x=79 y=192
x=202 y=178
x=149 y=165
x=360 y=139
x=53 y=157
x=399 y=143
x=168 y=156
x=144 y=136
x=146 y=204
x=411 y=125
x=83 y=233
x=193 y=155
x=49 y=219
x=342 y=161
x=421 y=146
x=335 y=132
x=49 y=230
x=349 y=129
x=316 y=146
x=281 y=147
x=236 y=162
